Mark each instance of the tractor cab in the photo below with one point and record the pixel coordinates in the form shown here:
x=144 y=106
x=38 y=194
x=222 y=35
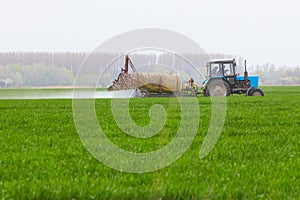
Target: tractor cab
x=218 y=68
x=222 y=68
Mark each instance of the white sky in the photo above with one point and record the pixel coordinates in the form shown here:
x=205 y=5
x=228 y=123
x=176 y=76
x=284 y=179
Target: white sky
x=259 y=30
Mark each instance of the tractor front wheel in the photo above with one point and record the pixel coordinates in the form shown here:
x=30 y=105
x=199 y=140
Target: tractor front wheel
x=255 y=92
x=218 y=87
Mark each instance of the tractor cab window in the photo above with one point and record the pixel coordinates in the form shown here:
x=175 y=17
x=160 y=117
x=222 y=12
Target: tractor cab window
x=216 y=69
x=228 y=69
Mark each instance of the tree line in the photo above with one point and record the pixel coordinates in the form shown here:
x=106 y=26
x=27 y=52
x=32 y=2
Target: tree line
x=272 y=75
x=41 y=69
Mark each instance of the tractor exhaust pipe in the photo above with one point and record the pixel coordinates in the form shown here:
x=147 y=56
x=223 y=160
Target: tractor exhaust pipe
x=246 y=73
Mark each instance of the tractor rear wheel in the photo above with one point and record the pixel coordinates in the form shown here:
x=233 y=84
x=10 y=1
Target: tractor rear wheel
x=218 y=87
x=255 y=92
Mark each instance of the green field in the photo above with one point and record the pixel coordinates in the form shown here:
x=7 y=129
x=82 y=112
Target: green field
x=256 y=157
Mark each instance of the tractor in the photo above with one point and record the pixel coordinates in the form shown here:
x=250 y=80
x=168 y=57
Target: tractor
x=222 y=80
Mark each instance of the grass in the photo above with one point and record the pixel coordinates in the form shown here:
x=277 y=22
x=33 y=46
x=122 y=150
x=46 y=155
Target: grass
x=257 y=155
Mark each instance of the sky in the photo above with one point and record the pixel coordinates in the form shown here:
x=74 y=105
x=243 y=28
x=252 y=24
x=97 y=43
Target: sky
x=263 y=31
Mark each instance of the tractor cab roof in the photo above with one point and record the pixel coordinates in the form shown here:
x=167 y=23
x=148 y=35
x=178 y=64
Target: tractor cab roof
x=223 y=60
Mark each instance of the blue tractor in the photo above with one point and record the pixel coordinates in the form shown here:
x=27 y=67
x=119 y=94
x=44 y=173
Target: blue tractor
x=222 y=80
